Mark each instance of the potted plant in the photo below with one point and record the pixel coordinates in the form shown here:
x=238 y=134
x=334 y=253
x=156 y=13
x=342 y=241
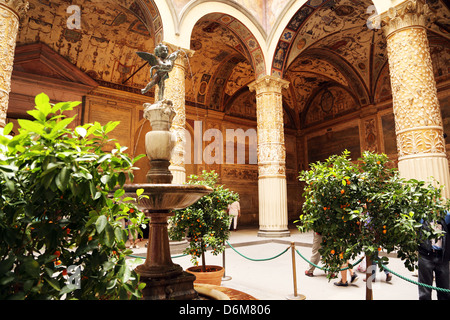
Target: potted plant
x=61 y=232
x=206 y=225
x=365 y=207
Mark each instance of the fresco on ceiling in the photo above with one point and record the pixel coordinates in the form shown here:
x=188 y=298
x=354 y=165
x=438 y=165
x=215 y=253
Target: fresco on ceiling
x=241 y=76
x=222 y=62
x=244 y=106
x=306 y=74
x=105 y=46
x=329 y=104
x=383 y=89
x=337 y=25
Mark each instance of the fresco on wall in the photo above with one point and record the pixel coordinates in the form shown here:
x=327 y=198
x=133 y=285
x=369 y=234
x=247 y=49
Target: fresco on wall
x=334 y=142
x=104 y=47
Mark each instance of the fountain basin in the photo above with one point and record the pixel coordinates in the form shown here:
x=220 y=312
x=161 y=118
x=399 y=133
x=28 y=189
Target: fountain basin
x=162 y=197
x=164 y=279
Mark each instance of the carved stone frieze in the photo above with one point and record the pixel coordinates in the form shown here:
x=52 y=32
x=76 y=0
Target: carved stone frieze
x=416 y=107
x=10 y=11
x=176 y=92
x=271 y=145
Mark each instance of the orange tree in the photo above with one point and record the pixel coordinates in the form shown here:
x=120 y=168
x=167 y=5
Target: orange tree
x=206 y=222
x=365 y=207
x=60 y=229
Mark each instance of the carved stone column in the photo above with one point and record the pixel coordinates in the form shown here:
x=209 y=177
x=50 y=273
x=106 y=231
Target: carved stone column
x=10 y=12
x=272 y=193
x=176 y=91
x=419 y=127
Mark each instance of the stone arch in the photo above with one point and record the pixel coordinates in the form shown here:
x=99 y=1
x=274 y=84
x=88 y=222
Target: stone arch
x=232 y=16
x=298 y=19
x=227 y=57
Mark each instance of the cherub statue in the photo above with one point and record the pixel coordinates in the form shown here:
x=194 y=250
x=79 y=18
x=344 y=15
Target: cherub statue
x=162 y=63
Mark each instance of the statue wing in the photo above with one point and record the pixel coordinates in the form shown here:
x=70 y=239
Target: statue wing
x=150 y=58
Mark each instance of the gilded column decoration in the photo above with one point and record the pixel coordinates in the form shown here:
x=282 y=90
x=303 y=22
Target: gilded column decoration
x=272 y=185
x=419 y=127
x=176 y=91
x=10 y=12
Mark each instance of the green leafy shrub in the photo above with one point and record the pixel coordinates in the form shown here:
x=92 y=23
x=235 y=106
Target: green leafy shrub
x=58 y=211
x=206 y=223
x=365 y=207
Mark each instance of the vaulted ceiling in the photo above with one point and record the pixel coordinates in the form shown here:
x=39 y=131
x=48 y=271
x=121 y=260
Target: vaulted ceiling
x=335 y=62
x=104 y=47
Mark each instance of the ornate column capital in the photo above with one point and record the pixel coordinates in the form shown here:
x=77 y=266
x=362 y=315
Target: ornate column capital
x=407 y=14
x=19 y=7
x=268 y=84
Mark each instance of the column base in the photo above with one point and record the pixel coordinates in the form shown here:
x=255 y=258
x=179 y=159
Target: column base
x=274 y=233
x=179 y=174
x=273 y=211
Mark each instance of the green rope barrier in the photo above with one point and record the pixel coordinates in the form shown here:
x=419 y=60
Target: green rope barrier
x=415 y=282
x=324 y=269
x=267 y=259
x=383 y=267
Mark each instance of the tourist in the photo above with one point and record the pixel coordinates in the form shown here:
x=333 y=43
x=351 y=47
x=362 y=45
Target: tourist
x=315 y=255
x=234 y=210
x=434 y=259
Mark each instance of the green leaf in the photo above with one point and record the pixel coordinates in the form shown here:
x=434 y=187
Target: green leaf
x=109 y=235
x=105 y=179
x=110 y=126
x=119 y=234
x=31 y=126
x=81 y=131
x=101 y=223
x=50 y=167
x=122 y=179
x=43 y=104
x=119 y=193
x=31 y=267
x=53 y=283
x=57 y=129
x=8 y=128
x=62 y=179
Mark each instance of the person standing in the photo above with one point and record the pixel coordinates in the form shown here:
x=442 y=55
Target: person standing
x=434 y=257
x=315 y=255
x=234 y=210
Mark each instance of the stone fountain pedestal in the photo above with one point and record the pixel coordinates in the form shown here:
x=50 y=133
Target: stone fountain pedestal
x=164 y=279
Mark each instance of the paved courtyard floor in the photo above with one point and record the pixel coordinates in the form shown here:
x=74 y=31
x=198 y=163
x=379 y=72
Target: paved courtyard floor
x=273 y=279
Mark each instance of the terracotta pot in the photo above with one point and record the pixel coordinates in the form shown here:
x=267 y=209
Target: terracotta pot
x=213 y=274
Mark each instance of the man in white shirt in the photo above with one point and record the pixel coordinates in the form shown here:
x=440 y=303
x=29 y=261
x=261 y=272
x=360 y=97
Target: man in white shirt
x=234 y=210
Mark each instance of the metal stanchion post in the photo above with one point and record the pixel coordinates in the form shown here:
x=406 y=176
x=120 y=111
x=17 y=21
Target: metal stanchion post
x=225 y=277
x=295 y=296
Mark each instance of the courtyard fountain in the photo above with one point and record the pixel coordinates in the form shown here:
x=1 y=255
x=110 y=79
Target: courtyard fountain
x=164 y=279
